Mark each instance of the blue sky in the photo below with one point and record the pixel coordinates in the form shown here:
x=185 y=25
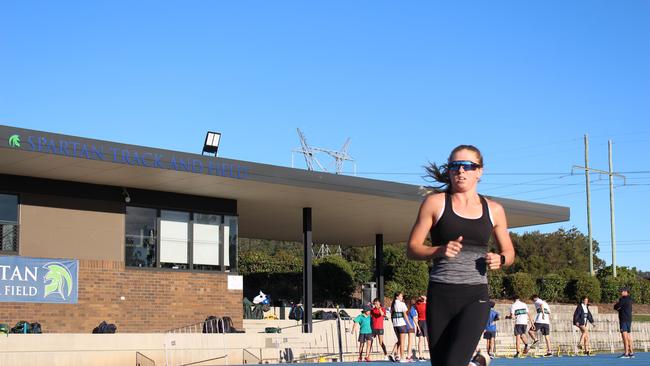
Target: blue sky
x=406 y=81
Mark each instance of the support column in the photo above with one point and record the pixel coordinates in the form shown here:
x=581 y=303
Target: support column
x=379 y=265
x=306 y=273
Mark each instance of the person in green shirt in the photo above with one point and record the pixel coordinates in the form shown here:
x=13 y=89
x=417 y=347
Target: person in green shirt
x=365 y=332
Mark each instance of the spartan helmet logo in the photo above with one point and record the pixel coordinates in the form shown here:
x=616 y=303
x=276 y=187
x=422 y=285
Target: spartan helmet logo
x=57 y=279
x=14 y=141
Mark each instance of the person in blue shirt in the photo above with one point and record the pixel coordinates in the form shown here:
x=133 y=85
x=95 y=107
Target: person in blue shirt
x=365 y=332
x=490 y=333
x=413 y=328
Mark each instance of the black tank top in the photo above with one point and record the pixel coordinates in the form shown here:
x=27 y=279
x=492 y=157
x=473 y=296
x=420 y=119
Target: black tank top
x=469 y=266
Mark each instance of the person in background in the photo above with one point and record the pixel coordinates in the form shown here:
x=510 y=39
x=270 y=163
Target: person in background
x=365 y=332
x=519 y=311
x=398 y=314
x=542 y=323
x=378 y=313
x=490 y=333
x=581 y=316
x=624 y=308
x=412 y=326
x=421 y=308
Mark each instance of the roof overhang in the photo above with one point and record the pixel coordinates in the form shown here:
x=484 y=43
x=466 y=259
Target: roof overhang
x=346 y=210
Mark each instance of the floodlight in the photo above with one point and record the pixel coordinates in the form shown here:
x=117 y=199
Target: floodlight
x=211 y=144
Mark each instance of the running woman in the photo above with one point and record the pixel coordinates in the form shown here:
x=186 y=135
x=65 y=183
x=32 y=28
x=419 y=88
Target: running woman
x=378 y=313
x=461 y=223
x=581 y=316
x=365 y=332
x=519 y=311
x=542 y=324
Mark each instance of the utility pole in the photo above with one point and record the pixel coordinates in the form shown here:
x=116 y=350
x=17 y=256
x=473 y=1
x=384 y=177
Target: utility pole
x=591 y=243
x=611 y=207
x=611 y=175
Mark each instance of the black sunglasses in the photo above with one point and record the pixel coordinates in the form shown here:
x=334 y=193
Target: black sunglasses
x=455 y=166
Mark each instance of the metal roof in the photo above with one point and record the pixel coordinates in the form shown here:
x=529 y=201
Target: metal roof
x=346 y=210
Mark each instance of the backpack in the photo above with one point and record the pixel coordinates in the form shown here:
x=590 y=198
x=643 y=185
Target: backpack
x=296 y=312
x=35 y=328
x=104 y=328
x=227 y=325
x=4 y=329
x=21 y=327
x=212 y=324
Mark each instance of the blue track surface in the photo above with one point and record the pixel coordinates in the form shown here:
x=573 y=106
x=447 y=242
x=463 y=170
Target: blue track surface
x=598 y=360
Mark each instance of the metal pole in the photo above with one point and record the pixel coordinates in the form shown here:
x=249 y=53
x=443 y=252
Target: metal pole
x=307 y=270
x=379 y=266
x=338 y=332
x=591 y=244
x=611 y=206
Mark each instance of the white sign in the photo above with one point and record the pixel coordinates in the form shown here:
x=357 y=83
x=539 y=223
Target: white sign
x=235 y=282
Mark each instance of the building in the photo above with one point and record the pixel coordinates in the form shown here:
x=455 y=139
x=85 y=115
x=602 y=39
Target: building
x=146 y=238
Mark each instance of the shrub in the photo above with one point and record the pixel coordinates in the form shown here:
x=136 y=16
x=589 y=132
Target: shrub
x=586 y=285
x=645 y=292
x=333 y=279
x=551 y=287
x=520 y=285
x=496 y=285
x=609 y=287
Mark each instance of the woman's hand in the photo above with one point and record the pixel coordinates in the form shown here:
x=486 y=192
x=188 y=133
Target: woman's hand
x=493 y=260
x=452 y=248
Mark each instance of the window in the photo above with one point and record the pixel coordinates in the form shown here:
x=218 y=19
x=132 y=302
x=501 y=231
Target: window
x=205 y=238
x=186 y=240
x=8 y=223
x=141 y=226
x=174 y=238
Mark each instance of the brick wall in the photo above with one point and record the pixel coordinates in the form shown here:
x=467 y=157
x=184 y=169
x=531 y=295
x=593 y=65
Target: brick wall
x=154 y=301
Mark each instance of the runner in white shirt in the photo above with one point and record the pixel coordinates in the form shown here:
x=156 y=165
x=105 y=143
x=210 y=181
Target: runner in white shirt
x=542 y=324
x=519 y=311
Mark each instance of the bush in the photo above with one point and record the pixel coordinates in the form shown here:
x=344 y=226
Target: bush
x=520 y=285
x=495 y=284
x=333 y=279
x=645 y=292
x=609 y=287
x=551 y=287
x=586 y=285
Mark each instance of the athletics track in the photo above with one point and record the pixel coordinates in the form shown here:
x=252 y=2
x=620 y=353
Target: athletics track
x=641 y=359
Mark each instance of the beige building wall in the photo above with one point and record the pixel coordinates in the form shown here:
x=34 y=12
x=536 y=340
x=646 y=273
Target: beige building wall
x=65 y=227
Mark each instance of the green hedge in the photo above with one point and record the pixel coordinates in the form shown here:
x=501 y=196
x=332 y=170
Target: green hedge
x=520 y=285
x=551 y=287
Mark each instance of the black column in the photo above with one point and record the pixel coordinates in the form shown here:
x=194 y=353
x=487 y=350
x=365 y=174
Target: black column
x=306 y=273
x=379 y=265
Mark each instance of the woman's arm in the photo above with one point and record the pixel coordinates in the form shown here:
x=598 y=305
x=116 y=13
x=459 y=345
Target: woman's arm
x=416 y=249
x=502 y=237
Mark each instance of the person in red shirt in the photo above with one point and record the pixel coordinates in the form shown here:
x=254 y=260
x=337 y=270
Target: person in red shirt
x=377 y=322
x=422 y=333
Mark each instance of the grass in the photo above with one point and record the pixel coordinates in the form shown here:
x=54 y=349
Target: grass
x=641 y=318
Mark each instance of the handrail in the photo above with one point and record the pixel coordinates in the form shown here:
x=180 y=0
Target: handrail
x=138 y=362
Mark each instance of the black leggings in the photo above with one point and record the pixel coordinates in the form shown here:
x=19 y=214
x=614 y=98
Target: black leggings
x=456 y=317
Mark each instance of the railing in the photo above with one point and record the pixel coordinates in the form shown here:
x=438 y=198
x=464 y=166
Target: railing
x=196 y=343
x=142 y=360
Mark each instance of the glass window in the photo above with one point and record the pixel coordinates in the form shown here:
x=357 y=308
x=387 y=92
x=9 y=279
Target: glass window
x=140 y=237
x=205 y=241
x=174 y=227
x=8 y=223
x=230 y=233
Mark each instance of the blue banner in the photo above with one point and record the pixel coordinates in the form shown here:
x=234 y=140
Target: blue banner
x=25 y=279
